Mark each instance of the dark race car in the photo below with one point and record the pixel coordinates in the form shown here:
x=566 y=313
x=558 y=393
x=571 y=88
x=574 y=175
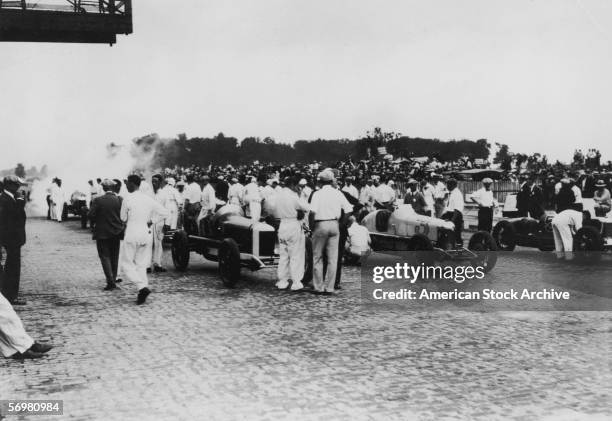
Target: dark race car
x=233 y=240
x=594 y=236
x=77 y=207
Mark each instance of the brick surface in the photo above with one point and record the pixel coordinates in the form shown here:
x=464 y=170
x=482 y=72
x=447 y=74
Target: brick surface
x=199 y=351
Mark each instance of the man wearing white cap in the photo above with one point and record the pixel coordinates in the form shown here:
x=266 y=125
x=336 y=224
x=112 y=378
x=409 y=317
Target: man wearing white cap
x=173 y=202
x=252 y=199
x=326 y=208
x=235 y=192
x=483 y=197
x=139 y=211
x=12 y=236
x=291 y=238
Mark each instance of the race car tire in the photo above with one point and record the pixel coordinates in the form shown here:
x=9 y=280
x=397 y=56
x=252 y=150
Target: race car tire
x=180 y=250
x=308 y=263
x=229 y=262
x=504 y=234
x=485 y=248
x=588 y=244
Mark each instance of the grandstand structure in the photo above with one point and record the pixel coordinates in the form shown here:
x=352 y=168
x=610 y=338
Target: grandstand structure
x=70 y=21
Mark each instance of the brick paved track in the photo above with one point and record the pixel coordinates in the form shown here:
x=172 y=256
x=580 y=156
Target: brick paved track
x=200 y=351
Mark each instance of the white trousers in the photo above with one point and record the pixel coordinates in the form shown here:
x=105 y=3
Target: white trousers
x=158 y=238
x=173 y=218
x=325 y=242
x=564 y=241
x=255 y=211
x=56 y=211
x=292 y=250
x=13 y=337
x=135 y=259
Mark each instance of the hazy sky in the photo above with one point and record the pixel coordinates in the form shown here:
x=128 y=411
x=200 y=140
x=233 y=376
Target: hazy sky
x=534 y=74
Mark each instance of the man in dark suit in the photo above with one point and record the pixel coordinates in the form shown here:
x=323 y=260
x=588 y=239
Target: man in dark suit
x=12 y=236
x=105 y=217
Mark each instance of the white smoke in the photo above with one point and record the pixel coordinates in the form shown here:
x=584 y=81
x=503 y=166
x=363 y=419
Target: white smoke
x=95 y=161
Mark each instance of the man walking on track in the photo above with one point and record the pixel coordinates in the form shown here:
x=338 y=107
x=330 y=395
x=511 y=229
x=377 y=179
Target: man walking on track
x=105 y=217
x=14 y=340
x=139 y=212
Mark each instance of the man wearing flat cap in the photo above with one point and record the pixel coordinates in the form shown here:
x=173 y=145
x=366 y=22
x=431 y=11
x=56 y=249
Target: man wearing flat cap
x=326 y=208
x=12 y=236
x=415 y=198
x=107 y=227
x=483 y=197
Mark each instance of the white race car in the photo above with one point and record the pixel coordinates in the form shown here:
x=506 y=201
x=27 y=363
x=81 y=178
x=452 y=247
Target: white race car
x=404 y=229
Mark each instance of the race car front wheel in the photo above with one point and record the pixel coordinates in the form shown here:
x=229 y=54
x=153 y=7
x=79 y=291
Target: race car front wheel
x=504 y=234
x=588 y=244
x=229 y=262
x=180 y=250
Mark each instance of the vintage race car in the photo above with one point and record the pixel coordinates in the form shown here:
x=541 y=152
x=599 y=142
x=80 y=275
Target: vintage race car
x=404 y=229
x=233 y=240
x=594 y=236
x=77 y=206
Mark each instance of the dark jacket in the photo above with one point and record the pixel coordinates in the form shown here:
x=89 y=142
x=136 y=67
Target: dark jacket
x=12 y=221
x=105 y=216
x=416 y=200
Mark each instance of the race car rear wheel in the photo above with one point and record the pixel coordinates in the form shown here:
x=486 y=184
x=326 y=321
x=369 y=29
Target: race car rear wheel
x=229 y=262
x=504 y=234
x=180 y=250
x=588 y=244
x=485 y=248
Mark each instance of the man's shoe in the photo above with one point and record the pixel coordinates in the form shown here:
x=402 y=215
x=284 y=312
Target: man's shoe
x=282 y=284
x=142 y=295
x=118 y=281
x=41 y=348
x=296 y=286
x=28 y=355
x=110 y=287
x=19 y=302
x=159 y=269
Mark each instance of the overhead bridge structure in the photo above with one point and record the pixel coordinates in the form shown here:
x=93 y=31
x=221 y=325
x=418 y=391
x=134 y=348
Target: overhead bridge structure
x=77 y=21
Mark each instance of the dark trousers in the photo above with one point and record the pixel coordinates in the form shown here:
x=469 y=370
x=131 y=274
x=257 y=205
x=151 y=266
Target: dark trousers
x=341 y=245
x=456 y=218
x=485 y=219
x=108 y=251
x=12 y=273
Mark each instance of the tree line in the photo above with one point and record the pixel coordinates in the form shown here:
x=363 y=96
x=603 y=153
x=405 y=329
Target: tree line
x=223 y=150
